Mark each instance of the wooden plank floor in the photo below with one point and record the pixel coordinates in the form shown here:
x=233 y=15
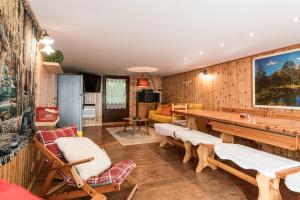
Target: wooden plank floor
x=163 y=176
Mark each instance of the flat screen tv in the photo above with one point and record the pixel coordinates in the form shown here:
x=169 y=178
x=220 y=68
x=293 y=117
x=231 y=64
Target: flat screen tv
x=91 y=83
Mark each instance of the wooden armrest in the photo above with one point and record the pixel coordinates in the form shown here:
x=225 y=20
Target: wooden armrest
x=109 y=144
x=72 y=164
x=283 y=173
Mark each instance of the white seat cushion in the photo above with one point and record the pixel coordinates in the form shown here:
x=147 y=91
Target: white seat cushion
x=78 y=148
x=196 y=137
x=292 y=182
x=249 y=158
x=165 y=129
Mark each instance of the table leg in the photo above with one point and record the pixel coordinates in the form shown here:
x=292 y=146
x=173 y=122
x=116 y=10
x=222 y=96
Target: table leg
x=139 y=125
x=126 y=123
x=146 y=124
x=134 y=125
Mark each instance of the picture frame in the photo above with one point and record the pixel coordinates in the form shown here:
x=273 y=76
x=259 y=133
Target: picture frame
x=276 y=80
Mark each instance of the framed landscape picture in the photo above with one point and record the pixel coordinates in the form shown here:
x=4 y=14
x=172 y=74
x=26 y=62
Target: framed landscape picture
x=276 y=80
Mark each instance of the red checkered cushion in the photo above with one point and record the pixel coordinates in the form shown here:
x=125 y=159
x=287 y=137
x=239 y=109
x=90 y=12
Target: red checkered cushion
x=47 y=138
x=115 y=174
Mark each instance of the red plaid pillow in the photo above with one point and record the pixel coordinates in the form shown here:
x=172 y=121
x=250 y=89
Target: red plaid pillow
x=48 y=137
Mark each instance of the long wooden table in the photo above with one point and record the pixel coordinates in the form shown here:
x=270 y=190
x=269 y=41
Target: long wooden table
x=282 y=133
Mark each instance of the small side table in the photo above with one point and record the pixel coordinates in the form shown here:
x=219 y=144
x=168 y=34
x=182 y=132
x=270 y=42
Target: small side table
x=136 y=122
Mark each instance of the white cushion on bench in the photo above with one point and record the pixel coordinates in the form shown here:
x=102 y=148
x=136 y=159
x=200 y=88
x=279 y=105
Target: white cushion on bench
x=165 y=129
x=249 y=158
x=196 y=137
x=292 y=182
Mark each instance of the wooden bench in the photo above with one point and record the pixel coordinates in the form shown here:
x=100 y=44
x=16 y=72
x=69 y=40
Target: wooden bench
x=269 y=167
x=166 y=131
x=202 y=142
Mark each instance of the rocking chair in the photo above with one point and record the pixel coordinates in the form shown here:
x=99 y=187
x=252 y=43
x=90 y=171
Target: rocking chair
x=95 y=186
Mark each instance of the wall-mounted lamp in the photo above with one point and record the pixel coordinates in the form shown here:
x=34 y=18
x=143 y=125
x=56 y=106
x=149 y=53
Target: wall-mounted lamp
x=204 y=72
x=205 y=75
x=46 y=40
x=47 y=49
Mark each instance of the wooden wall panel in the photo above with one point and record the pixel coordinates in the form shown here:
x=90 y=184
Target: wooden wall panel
x=46 y=85
x=231 y=85
x=19 y=170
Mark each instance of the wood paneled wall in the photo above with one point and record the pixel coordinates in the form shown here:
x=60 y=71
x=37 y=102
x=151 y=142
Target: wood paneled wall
x=20 y=169
x=228 y=84
x=46 y=85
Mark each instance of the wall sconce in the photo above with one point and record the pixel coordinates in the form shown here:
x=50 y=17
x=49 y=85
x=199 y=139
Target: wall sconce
x=203 y=72
x=205 y=75
x=186 y=83
x=46 y=41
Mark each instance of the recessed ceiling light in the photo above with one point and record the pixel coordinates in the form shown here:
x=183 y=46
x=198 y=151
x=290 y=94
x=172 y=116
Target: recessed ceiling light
x=295 y=19
x=251 y=34
x=201 y=53
x=185 y=58
x=142 y=69
x=222 y=45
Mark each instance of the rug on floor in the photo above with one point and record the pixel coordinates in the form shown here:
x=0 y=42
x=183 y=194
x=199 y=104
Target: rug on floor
x=139 y=137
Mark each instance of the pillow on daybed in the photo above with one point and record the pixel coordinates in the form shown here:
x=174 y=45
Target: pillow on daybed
x=166 y=110
x=78 y=148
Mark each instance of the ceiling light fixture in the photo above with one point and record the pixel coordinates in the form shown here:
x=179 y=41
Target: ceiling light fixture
x=142 y=69
x=222 y=45
x=295 y=19
x=185 y=58
x=251 y=34
x=201 y=53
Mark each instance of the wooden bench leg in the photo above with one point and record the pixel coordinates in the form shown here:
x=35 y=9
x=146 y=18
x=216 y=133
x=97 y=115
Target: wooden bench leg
x=268 y=188
x=188 y=152
x=164 y=141
x=191 y=123
x=204 y=152
x=275 y=189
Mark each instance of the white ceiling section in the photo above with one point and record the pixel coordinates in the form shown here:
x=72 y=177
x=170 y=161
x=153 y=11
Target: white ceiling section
x=109 y=36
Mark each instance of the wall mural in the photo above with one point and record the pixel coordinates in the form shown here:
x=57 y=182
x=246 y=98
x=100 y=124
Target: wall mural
x=277 y=80
x=18 y=53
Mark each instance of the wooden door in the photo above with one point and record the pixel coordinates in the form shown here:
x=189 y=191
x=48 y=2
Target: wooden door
x=115 y=98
